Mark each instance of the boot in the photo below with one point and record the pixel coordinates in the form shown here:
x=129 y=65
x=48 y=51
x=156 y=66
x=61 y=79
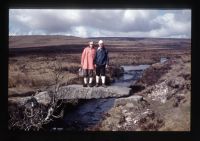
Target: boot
x=104 y=85
x=97 y=81
x=103 y=78
x=84 y=85
x=97 y=85
x=90 y=82
x=85 y=82
x=90 y=85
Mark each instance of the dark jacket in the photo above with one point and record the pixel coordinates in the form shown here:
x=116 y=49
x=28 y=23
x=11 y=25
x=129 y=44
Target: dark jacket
x=101 y=57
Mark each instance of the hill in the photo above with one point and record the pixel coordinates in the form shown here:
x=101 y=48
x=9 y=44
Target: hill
x=58 y=40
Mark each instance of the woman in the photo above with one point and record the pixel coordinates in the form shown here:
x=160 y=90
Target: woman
x=87 y=64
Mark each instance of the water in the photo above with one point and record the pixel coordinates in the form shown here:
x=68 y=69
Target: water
x=134 y=67
x=91 y=112
x=163 y=59
x=131 y=74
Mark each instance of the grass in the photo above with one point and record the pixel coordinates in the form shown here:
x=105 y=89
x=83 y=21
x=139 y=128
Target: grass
x=36 y=71
x=174 y=114
x=29 y=71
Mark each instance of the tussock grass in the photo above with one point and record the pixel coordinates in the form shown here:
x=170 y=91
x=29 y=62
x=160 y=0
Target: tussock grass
x=34 y=71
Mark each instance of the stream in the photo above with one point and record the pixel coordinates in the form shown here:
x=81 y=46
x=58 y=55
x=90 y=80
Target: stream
x=130 y=75
x=90 y=112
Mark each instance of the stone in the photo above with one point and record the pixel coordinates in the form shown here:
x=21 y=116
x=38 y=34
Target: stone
x=19 y=100
x=131 y=99
x=80 y=92
x=177 y=82
x=129 y=105
x=179 y=97
x=71 y=92
x=42 y=98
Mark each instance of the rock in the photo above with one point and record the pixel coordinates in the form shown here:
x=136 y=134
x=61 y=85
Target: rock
x=42 y=98
x=159 y=92
x=180 y=95
x=115 y=71
x=18 y=100
x=20 y=93
x=128 y=119
x=132 y=99
x=76 y=92
x=177 y=82
x=129 y=105
x=80 y=92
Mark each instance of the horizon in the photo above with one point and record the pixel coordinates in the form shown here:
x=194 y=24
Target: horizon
x=105 y=37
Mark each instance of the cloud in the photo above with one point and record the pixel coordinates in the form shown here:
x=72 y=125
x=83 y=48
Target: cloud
x=171 y=26
x=95 y=23
x=139 y=20
x=80 y=31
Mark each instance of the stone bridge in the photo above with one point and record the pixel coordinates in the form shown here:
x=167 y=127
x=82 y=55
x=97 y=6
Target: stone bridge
x=77 y=92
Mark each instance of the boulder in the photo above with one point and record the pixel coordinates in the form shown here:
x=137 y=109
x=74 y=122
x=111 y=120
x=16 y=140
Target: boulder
x=131 y=99
x=80 y=92
x=20 y=101
x=42 y=98
x=75 y=92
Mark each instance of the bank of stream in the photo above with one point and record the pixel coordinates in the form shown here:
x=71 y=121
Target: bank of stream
x=88 y=113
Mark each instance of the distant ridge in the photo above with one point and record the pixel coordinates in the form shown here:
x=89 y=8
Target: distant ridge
x=73 y=42
x=23 y=41
x=134 y=38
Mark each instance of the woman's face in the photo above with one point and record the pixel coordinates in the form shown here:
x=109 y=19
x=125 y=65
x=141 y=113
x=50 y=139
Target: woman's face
x=91 y=45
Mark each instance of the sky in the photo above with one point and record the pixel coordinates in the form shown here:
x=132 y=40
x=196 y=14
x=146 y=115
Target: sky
x=154 y=23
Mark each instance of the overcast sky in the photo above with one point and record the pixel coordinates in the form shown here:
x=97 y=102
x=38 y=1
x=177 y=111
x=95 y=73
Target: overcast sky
x=101 y=23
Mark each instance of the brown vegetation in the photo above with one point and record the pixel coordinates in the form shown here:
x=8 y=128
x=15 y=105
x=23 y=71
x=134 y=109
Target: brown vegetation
x=167 y=90
x=32 y=64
